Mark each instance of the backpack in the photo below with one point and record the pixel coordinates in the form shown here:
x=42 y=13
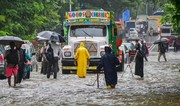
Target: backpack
x=12 y=57
x=50 y=54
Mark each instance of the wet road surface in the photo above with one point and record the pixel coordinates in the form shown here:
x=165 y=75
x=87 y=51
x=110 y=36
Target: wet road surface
x=159 y=87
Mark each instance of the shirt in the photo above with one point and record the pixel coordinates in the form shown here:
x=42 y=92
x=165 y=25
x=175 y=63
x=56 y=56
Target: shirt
x=56 y=49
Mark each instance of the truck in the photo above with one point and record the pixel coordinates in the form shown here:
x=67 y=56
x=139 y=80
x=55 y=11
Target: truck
x=97 y=29
x=154 y=23
x=130 y=24
x=130 y=28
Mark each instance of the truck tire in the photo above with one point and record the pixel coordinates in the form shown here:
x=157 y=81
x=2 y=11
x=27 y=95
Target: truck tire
x=120 y=67
x=65 y=71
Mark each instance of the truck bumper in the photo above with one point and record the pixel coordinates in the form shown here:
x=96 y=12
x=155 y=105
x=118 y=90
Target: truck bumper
x=68 y=64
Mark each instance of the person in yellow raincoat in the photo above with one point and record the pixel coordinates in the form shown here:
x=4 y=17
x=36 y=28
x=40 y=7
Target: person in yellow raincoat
x=82 y=57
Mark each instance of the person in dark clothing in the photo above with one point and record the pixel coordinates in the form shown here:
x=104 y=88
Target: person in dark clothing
x=144 y=50
x=175 y=45
x=21 y=63
x=108 y=63
x=54 y=49
x=162 y=50
x=139 y=62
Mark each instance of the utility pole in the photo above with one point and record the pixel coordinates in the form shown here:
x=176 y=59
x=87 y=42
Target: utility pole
x=146 y=7
x=70 y=6
x=147 y=10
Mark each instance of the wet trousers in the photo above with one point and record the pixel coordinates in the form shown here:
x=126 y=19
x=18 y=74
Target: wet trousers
x=44 y=67
x=159 y=56
x=20 y=74
x=53 y=67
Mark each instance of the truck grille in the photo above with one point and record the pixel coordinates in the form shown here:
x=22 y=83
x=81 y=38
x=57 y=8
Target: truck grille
x=90 y=46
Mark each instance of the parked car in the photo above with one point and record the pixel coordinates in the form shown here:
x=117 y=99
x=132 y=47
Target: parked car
x=125 y=52
x=2 y=63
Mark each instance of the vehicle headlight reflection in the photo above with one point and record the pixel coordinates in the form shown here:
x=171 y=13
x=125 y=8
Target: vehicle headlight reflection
x=67 y=54
x=102 y=53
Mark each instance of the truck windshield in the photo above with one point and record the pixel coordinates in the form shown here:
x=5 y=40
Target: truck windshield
x=131 y=24
x=166 y=30
x=90 y=30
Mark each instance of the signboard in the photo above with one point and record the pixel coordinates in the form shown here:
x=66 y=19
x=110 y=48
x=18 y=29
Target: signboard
x=88 y=21
x=126 y=15
x=87 y=14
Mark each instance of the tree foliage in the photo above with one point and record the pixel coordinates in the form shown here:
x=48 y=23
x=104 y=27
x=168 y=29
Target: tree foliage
x=117 y=6
x=172 y=14
x=24 y=18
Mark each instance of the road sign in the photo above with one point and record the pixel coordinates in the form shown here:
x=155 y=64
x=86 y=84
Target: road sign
x=126 y=15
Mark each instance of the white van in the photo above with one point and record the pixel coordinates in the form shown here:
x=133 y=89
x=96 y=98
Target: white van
x=133 y=32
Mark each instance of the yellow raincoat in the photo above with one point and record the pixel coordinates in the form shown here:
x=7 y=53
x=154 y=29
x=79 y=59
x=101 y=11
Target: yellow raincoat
x=82 y=56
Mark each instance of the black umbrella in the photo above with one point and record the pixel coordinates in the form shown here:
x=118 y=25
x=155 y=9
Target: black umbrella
x=161 y=41
x=50 y=35
x=5 y=40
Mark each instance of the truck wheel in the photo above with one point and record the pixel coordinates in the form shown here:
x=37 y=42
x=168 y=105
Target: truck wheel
x=120 y=67
x=65 y=72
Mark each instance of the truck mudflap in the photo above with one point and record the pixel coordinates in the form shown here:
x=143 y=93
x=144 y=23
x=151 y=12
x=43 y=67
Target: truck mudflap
x=68 y=65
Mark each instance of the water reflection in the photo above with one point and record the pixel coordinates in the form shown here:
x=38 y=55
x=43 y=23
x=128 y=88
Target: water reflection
x=159 y=87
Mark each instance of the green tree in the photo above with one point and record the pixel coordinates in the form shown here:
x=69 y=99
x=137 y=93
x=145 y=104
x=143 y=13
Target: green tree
x=172 y=14
x=24 y=18
x=117 y=6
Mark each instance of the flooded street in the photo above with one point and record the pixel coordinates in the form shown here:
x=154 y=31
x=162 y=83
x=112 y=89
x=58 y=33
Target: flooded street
x=159 y=87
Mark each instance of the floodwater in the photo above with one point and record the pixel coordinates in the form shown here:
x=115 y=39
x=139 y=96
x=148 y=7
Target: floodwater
x=159 y=87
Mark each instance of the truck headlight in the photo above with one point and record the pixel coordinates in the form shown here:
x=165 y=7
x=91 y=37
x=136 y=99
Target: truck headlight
x=102 y=53
x=67 y=54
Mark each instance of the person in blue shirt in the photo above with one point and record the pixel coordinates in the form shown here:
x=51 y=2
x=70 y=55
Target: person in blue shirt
x=28 y=66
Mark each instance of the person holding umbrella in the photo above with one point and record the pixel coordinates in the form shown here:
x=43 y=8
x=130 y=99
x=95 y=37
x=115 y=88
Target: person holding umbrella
x=53 y=52
x=12 y=56
x=162 y=51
